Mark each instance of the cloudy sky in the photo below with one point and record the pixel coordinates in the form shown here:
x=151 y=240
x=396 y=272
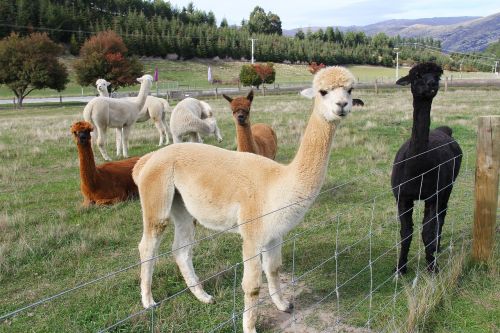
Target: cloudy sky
x=296 y=14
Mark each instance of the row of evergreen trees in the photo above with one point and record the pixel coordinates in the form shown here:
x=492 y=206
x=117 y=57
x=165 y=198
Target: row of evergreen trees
x=156 y=28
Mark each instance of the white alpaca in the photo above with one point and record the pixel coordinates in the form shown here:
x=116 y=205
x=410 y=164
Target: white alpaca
x=193 y=118
x=225 y=189
x=104 y=112
x=155 y=108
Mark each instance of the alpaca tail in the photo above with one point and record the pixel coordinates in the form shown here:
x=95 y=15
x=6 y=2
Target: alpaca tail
x=445 y=129
x=139 y=165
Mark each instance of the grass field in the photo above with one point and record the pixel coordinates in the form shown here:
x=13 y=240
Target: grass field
x=193 y=74
x=48 y=243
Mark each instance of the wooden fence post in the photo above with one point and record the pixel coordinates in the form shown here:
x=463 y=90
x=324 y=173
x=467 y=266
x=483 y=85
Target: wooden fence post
x=446 y=84
x=376 y=86
x=486 y=190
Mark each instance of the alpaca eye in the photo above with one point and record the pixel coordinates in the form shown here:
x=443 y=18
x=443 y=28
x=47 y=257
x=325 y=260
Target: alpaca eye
x=323 y=92
x=349 y=91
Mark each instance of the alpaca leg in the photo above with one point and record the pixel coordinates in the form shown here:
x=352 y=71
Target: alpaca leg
x=429 y=234
x=198 y=138
x=126 y=134
x=183 y=253
x=158 y=125
x=119 y=138
x=218 y=135
x=166 y=130
x=176 y=138
x=101 y=143
x=156 y=194
x=405 y=212
x=442 y=209
x=252 y=280
x=148 y=249
x=271 y=262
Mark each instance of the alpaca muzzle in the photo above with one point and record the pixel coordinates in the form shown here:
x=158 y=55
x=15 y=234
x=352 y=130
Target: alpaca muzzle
x=83 y=137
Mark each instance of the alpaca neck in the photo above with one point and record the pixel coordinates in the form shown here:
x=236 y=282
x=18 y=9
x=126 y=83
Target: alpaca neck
x=245 y=139
x=419 y=140
x=88 y=172
x=104 y=93
x=143 y=94
x=311 y=161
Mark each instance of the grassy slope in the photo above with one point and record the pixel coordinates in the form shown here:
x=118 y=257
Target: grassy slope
x=48 y=243
x=193 y=74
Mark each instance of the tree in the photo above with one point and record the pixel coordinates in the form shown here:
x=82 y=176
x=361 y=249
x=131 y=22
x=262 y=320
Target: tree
x=260 y=22
x=257 y=74
x=29 y=63
x=103 y=56
x=300 y=34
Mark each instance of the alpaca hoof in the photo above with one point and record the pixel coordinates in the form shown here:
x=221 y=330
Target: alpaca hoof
x=401 y=270
x=289 y=308
x=433 y=268
x=148 y=302
x=208 y=300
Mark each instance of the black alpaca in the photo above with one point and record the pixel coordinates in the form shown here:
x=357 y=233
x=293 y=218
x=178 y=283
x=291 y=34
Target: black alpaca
x=420 y=155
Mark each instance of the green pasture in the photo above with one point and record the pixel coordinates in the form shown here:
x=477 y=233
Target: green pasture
x=192 y=74
x=49 y=243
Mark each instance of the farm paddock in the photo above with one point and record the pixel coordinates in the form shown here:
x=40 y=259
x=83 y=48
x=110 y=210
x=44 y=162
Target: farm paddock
x=48 y=243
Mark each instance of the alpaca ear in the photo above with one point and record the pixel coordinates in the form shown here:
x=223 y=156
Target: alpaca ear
x=250 y=96
x=108 y=84
x=229 y=99
x=307 y=93
x=404 y=80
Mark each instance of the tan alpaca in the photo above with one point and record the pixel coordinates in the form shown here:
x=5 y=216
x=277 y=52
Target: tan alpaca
x=225 y=189
x=259 y=138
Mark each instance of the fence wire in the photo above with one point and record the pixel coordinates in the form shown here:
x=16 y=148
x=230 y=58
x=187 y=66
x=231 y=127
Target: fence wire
x=341 y=317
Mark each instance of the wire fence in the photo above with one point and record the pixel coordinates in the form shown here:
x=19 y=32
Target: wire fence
x=339 y=269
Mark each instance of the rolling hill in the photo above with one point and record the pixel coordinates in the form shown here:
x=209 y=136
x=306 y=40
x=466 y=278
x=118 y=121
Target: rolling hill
x=465 y=34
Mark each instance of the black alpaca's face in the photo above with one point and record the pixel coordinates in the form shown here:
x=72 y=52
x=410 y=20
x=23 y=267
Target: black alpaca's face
x=425 y=84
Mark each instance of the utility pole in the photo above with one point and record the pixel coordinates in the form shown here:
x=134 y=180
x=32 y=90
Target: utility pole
x=253 y=40
x=397 y=62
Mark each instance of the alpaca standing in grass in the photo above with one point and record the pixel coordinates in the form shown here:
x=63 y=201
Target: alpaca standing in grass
x=104 y=112
x=193 y=118
x=155 y=109
x=107 y=183
x=259 y=139
x=228 y=190
x=415 y=158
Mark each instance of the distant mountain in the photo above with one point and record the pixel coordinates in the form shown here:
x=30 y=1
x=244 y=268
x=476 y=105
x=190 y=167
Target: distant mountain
x=465 y=33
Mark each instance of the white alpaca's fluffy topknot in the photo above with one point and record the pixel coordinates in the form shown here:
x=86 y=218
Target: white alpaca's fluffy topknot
x=333 y=77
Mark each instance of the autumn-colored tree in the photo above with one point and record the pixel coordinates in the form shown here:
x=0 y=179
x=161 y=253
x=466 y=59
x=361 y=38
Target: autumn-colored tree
x=257 y=74
x=103 y=56
x=314 y=67
x=29 y=63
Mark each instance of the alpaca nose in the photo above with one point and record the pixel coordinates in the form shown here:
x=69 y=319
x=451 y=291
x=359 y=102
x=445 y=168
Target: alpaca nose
x=342 y=104
x=241 y=118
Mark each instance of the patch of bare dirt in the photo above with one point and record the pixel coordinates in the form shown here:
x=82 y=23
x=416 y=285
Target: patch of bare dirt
x=309 y=317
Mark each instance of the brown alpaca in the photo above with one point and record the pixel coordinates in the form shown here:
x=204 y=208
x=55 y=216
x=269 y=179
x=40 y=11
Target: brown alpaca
x=259 y=139
x=107 y=183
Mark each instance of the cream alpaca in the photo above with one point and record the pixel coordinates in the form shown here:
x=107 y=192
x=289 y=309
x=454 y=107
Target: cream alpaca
x=193 y=118
x=224 y=189
x=104 y=112
x=155 y=108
